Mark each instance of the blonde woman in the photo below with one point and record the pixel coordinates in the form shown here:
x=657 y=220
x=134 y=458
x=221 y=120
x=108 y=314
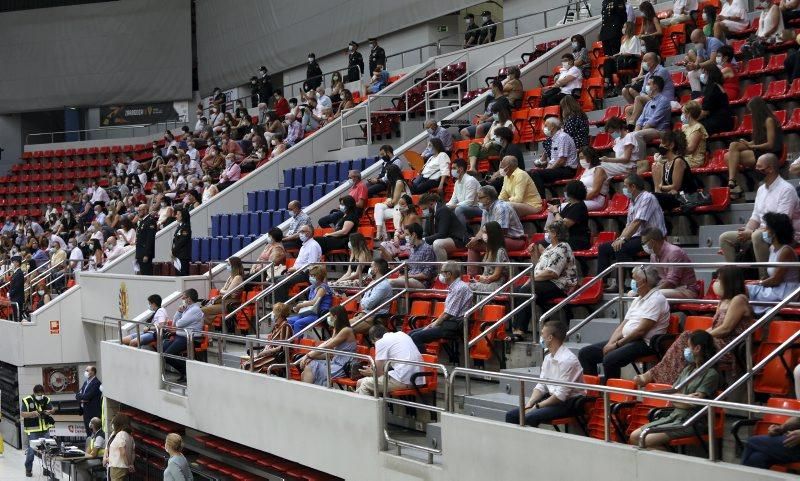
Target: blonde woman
x=359 y=254
x=177 y=466
x=120 y=455
x=214 y=306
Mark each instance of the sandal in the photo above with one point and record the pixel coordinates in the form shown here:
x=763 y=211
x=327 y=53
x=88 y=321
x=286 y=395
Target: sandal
x=515 y=338
x=735 y=190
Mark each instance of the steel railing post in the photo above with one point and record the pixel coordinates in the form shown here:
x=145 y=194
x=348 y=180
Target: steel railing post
x=522 y=403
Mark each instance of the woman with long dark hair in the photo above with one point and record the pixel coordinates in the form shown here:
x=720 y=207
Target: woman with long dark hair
x=780 y=281
x=767 y=138
x=396 y=187
x=493 y=275
x=672 y=175
x=716 y=114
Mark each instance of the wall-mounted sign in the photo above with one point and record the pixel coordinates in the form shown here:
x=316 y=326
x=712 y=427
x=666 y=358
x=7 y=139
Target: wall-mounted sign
x=135 y=114
x=55 y=328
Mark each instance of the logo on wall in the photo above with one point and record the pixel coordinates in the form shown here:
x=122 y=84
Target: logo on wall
x=60 y=380
x=137 y=114
x=123 y=301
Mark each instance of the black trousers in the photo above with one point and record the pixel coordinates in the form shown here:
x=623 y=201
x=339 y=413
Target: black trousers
x=421 y=185
x=376 y=188
x=613 y=362
x=545 y=291
x=534 y=417
x=552 y=97
x=184 y=270
x=792 y=65
x=546 y=176
x=146 y=268
x=611 y=45
x=606 y=255
x=450 y=329
x=331 y=219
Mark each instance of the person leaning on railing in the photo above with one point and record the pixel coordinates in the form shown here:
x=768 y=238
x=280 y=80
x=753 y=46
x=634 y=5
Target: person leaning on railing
x=389 y=345
x=700 y=349
x=343 y=339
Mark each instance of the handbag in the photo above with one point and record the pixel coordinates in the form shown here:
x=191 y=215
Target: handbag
x=696 y=199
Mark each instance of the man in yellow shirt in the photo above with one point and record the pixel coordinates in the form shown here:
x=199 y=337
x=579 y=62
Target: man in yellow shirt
x=518 y=188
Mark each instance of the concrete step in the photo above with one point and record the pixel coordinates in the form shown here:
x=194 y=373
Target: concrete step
x=709 y=234
x=523 y=354
x=496 y=403
x=595 y=331
x=433 y=435
x=508 y=386
x=486 y=413
x=576 y=346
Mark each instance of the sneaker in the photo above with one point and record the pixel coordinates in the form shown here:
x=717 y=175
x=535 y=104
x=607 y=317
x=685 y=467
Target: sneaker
x=28 y=474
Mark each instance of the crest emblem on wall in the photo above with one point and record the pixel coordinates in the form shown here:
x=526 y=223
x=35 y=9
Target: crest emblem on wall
x=123 y=301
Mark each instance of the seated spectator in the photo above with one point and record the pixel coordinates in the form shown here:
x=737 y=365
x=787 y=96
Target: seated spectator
x=703 y=54
x=273 y=126
x=700 y=348
x=629 y=57
x=672 y=176
x=643 y=212
x=594 y=178
x=319 y=301
x=379 y=80
x=230 y=146
x=114 y=249
x=732 y=18
x=294 y=130
x=501 y=113
x=278 y=147
x=512 y=87
x=166 y=214
x=501 y=212
x=295 y=109
x=554 y=276
x=574 y=213
x=443 y=230
x=313 y=115
x=358 y=191
x=560 y=161
x=581 y=54
x=346 y=225
x=436 y=132
x=397 y=346
x=346 y=103
x=148 y=335
x=209 y=189
x=638 y=93
x=360 y=254
x=252 y=161
x=298 y=219
x=519 y=189
x=781 y=445
x=435 y=172
x=449 y=324
x=629 y=149
x=567 y=82
x=217 y=305
x=792 y=63
x=767 y=139
x=647 y=316
x=421 y=269
x=231 y=174
x=716 y=114
x=549 y=401
x=379 y=293
x=676 y=282
x=780 y=281
x=281 y=104
x=464 y=201
x=314 y=365
x=726 y=64
x=274 y=253
x=310 y=253
x=695 y=133
x=732 y=317
x=281 y=331
x=407 y=214
x=680 y=13
x=396 y=188
x=212 y=162
x=651 y=32
x=656 y=117
x=337 y=87
x=483 y=122
x=188 y=318
x=493 y=275
x=379 y=183
x=505 y=138
x=709 y=17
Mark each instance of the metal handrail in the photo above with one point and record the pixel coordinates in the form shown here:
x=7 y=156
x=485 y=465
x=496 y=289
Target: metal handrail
x=386 y=400
x=237 y=290
x=384 y=304
x=132 y=128
x=27 y=274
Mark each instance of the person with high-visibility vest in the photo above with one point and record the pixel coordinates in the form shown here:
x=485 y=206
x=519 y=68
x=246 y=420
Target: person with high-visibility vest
x=96 y=441
x=36 y=412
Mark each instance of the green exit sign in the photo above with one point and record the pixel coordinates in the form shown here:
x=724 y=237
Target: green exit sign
x=441 y=28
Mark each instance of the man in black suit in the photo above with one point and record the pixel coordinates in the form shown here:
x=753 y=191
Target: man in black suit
x=145 y=241
x=16 y=290
x=355 y=62
x=443 y=230
x=313 y=73
x=90 y=397
x=377 y=56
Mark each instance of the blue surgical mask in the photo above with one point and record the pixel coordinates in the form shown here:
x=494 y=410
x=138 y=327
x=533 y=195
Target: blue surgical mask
x=634 y=285
x=627 y=193
x=342 y=208
x=703 y=78
x=645 y=67
x=616 y=135
x=766 y=237
x=684 y=119
x=496 y=117
x=543 y=344
x=688 y=354
x=312 y=280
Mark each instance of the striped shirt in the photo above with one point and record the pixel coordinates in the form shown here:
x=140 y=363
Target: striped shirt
x=422 y=253
x=459 y=299
x=645 y=208
x=502 y=213
x=563 y=146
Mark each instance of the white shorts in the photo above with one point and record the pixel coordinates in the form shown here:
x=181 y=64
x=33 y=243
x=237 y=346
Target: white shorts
x=733 y=26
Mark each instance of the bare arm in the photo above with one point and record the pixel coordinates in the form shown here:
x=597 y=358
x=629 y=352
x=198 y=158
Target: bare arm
x=600 y=177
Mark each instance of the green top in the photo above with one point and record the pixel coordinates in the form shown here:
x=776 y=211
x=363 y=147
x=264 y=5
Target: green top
x=707 y=384
x=708 y=29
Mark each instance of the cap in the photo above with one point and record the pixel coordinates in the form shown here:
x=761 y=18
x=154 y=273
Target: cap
x=469 y=15
x=264 y=68
x=353 y=42
x=486 y=13
x=372 y=39
x=17 y=259
x=312 y=55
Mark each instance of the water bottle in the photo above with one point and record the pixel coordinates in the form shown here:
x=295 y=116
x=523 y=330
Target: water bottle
x=601 y=373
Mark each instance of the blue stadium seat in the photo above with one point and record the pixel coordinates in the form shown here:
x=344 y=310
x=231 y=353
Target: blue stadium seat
x=195 y=249
x=236 y=244
x=317 y=192
x=205 y=249
x=309 y=175
x=358 y=164
x=215 y=222
x=277 y=217
x=251 y=201
x=370 y=161
x=254 y=221
x=331 y=172
x=224 y=248
x=297 y=175
x=272 y=200
x=288 y=177
x=294 y=194
x=261 y=201
x=224 y=225
x=266 y=222
x=283 y=199
x=244 y=223
x=213 y=253
x=319 y=174
x=343 y=169
x=305 y=195
x=234 y=227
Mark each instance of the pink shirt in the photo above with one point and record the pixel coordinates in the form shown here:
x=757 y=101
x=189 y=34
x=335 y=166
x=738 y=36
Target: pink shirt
x=359 y=192
x=677 y=276
x=233 y=173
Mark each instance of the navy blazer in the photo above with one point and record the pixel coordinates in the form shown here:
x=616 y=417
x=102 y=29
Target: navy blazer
x=92 y=397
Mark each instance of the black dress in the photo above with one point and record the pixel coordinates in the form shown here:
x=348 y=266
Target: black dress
x=720 y=116
x=331 y=243
x=579 y=233
x=669 y=201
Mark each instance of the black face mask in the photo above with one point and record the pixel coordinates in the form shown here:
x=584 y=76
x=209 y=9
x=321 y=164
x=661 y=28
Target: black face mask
x=386 y=158
x=662 y=150
x=759 y=175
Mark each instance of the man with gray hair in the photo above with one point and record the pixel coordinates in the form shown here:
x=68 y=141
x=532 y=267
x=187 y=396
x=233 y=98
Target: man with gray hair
x=518 y=188
x=437 y=132
x=561 y=162
x=449 y=324
x=500 y=211
x=294 y=131
x=647 y=316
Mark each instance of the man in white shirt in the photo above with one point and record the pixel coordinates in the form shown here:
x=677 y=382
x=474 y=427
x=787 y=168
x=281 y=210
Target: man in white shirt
x=323 y=100
x=310 y=253
x=99 y=194
x=192 y=151
x=75 y=256
x=114 y=249
x=647 y=316
x=568 y=79
x=465 y=195
x=133 y=166
x=390 y=345
x=774 y=195
x=551 y=401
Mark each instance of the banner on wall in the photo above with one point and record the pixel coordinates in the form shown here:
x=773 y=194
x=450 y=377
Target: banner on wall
x=137 y=114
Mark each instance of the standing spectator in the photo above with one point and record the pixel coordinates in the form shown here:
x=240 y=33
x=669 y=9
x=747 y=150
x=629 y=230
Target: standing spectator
x=254 y=89
x=390 y=345
x=35 y=413
x=767 y=139
x=449 y=324
x=651 y=32
x=488 y=31
x=120 y=455
x=265 y=88
x=549 y=401
x=313 y=73
x=561 y=162
x=145 y=240
x=643 y=212
x=377 y=56
x=502 y=213
x=182 y=241
x=177 y=465
x=464 y=201
x=89 y=396
x=355 y=62
x=380 y=183
x=472 y=33
x=567 y=82
x=676 y=282
x=436 y=170
x=613 y=17
x=519 y=189
x=16 y=288
x=443 y=230
x=358 y=191
x=437 y=132
x=647 y=316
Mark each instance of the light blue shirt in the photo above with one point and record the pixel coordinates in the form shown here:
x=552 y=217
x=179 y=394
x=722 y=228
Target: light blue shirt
x=657 y=114
x=669 y=87
x=191 y=319
x=377 y=295
x=443 y=135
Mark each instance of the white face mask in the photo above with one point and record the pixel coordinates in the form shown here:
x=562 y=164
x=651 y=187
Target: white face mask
x=547 y=132
x=38 y=397
x=720 y=61
x=647 y=249
x=303 y=237
x=585 y=165
x=717 y=288
x=370 y=272
x=269 y=239
x=442 y=278
x=565 y=65
x=86 y=374
x=40 y=292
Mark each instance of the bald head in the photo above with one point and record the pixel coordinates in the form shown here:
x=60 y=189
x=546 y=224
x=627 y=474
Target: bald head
x=769 y=166
x=294 y=205
x=142 y=209
x=553 y=123
x=698 y=36
x=509 y=163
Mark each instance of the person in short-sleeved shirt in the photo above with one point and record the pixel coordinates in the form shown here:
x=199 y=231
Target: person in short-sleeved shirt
x=391 y=345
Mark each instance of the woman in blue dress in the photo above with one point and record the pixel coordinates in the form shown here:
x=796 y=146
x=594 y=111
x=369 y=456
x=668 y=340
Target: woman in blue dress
x=320 y=299
x=343 y=339
x=780 y=281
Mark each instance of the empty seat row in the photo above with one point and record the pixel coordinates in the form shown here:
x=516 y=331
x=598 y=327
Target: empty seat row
x=324 y=173
x=275 y=199
x=246 y=223
x=61 y=165
x=206 y=249
x=108 y=149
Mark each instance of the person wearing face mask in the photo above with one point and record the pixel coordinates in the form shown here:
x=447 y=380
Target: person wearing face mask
x=377 y=56
x=148 y=335
x=443 y=230
x=294 y=130
x=406 y=213
x=647 y=316
x=643 y=212
x=767 y=139
x=89 y=396
x=732 y=17
x=219 y=100
x=568 y=80
x=298 y=219
x=209 y=189
x=145 y=240
x=76 y=257
x=420 y=270
x=358 y=192
x=96 y=439
x=656 y=116
x=638 y=92
x=472 y=34
x=727 y=65
x=318 y=302
x=435 y=172
x=113 y=249
x=493 y=275
x=703 y=54
x=278 y=147
x=396 y=187
x=378 y=184
x=488 y=30
x=355 y=62
x=464 y=201
x=346 y=224
x=188 y=317
x=36 y=412
x=436 y=132
x=676 y=282
x=182 y=241
x=274 y=252
x=491 y=145
x=695 y=133
x=224 y=302
x=672 y=176
x=681 y=12
x=594 y=178
x=449 y=324
x=779 y=282
x=41 y=296
x=379 y=292
x=549 y=401
x=732 y=317
x=500 y=211
x=314 y=366
x=560 y=162
x=360 y=256
x=231 y=174
x=313 y=73
x=519 y=189
x=310 y=253
x=16 y=288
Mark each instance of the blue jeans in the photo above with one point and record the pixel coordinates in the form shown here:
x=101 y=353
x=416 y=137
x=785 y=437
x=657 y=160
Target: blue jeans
x=764 y=451
x=299 y=322
x=29 y=450
x=534 y=417
x=176 y=346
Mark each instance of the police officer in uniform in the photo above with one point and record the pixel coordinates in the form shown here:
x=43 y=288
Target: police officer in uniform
x=145 y=241
x=265 y=88
x=377 y=56
x=313 y=73
x=489 y=32
x=472 y=34
x=36 y=413
x=182 y=242
x=254 y=90
x=355 y=62
x=16 y=289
